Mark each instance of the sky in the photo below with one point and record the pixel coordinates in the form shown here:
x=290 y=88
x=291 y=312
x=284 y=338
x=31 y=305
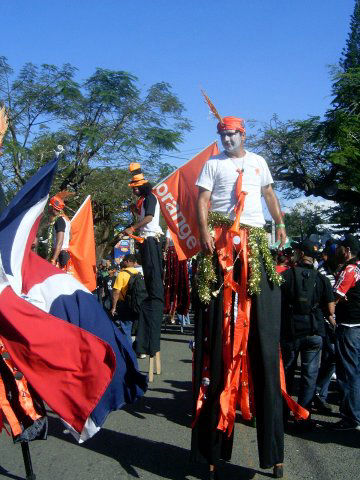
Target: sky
x=254 y=58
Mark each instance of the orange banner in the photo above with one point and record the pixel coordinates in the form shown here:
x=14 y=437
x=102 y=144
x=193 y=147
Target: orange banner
x=82 y=246
x=177 y=195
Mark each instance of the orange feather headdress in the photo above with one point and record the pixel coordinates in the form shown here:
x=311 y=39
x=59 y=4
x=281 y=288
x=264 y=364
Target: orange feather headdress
x=225 y=123
x=212 y=107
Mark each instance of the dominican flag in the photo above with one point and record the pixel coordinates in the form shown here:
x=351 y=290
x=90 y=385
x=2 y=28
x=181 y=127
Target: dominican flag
x=56 y=332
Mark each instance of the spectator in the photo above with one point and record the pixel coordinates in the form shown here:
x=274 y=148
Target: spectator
x=283 y=262
x=306 y=296
x=109 y=281
x=327 y=268
x=120 y=310
x=347 y=346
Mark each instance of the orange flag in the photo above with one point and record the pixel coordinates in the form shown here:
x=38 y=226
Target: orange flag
x=177 y=196
x=82 y=245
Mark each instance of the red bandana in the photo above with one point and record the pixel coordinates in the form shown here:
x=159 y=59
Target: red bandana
x=231 y=123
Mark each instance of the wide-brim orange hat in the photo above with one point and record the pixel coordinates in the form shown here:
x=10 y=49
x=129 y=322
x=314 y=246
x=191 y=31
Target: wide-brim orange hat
x=138 y=178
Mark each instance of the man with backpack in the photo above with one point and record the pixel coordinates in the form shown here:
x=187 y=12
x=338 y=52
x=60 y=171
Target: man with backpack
x=306 y=297
x=128 y=294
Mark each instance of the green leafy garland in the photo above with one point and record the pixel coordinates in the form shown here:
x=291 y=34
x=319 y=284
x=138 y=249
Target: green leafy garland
x=258 y=245
x=205 y=277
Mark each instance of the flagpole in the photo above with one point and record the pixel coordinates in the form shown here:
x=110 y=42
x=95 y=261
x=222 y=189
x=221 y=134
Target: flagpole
x=30 y=475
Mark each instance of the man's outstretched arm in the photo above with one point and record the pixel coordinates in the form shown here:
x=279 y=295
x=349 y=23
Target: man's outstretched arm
x=275 y=211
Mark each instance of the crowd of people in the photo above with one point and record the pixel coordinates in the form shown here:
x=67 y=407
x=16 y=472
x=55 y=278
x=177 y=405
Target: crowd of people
x=122 y=294
x=321 y=323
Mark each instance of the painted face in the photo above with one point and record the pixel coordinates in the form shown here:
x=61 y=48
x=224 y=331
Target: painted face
x=52 y=211
x=231 y=140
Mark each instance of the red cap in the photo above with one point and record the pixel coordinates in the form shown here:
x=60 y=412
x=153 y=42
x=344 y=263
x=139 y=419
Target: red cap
x=57 y=203
x=231 y=123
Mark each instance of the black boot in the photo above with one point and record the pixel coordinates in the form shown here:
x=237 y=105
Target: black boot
x=278 y=471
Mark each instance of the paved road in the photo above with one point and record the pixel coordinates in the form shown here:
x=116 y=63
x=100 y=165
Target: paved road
x=151 y=440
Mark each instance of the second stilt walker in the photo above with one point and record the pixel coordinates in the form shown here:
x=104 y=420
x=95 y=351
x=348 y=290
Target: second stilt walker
x=148 y=214
x=237 y=325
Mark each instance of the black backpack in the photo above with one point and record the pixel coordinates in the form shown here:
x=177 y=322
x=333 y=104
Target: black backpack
x=136 y=292
x=305 y=316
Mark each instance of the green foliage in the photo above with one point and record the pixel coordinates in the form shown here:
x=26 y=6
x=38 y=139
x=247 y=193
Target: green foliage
x=106 y=120
x=345 y=218
x=111 y=198
x=298 y=154
x=351 y=54
x=303 y=219
x=104 y=123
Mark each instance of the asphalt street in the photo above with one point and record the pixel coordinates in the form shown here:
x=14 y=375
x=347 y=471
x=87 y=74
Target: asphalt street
x=151 y=439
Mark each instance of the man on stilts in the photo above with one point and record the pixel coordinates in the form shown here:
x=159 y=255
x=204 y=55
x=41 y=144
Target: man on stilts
x=237 y=324
x=148 y=214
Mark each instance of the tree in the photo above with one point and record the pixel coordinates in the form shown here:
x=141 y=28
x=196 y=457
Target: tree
x=351 y=54
x=106 y=120
x=103 y=123
x=304 y=218
x=344 y=218
x=322 y=157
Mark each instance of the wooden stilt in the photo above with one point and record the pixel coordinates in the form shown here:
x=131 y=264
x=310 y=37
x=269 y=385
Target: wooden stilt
x=158 y=363
x=151 y=369
x=30 y=475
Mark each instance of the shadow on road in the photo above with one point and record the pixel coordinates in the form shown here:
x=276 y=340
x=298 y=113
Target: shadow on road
x=5 y=473
x=158 y=458
x=176 y=409
x=177 y=340
x=324 y=434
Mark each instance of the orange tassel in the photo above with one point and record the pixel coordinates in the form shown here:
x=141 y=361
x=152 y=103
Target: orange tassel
x=239 y=207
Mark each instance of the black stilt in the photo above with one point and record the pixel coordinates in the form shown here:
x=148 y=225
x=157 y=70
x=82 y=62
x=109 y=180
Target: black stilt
x=30 y=475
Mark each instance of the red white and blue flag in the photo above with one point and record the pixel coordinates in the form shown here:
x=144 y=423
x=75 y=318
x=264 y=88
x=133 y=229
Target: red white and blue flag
x=54 y=329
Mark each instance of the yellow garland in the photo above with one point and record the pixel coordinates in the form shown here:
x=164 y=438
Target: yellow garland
x=258 y=245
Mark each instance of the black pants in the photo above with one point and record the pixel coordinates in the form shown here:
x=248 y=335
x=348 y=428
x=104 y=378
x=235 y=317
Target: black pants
x=64 y=257
x=150 y=318
x=211 y=444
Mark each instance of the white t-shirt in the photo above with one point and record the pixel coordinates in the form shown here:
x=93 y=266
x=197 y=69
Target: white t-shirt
x=168 y=236
x=63 y=224
x=219 y=176
x=150 y=206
